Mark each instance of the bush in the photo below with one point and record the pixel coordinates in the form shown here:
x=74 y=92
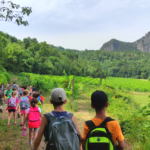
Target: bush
x=7 y=76
x=3 y=79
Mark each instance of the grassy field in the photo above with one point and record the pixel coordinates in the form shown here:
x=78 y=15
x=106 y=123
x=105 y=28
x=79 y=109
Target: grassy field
x=142 y=99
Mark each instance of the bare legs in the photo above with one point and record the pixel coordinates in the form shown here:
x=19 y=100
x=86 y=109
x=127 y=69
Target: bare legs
x=9 y=116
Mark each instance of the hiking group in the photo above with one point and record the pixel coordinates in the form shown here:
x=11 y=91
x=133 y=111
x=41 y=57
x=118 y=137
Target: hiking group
x=59 y=127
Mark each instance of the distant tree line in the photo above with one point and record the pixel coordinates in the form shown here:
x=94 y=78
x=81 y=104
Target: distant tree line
x=31 y=56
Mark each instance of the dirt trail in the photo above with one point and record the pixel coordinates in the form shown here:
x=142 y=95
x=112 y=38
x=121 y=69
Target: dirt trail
x=84 y=113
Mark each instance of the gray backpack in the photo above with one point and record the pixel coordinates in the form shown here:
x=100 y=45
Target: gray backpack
x=62 y=133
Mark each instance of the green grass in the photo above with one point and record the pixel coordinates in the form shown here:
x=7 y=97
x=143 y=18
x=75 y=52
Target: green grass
x=141 y=99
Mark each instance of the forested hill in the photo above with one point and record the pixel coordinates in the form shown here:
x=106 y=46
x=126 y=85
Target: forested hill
x=31 y=56
x=142 y=44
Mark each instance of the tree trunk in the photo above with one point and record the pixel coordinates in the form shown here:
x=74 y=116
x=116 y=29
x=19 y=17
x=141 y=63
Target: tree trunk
x=100 y=81
x=72 y=92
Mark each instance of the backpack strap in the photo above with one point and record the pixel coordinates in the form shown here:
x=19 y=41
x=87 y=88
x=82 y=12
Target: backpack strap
x=50 y=117
x=69 y=115
x=108 y=119
x=90 y=124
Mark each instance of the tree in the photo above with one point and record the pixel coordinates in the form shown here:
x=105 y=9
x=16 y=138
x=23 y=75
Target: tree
x=11 y=12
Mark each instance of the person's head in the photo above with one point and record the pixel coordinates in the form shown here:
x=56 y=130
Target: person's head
x=14 y=82
x=2 y=83
x=25 y=92
x=20 y=86
x=99 y=100
x=34 y=102
x=33 y=86
x=14 y=93
x=14 y=89
x=8 y=88
x=30 y=87
x=35 y=94
x=40 y=92
x=58 y=97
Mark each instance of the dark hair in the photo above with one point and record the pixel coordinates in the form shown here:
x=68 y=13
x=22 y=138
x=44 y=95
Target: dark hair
x=57 y=103
x=25 y=92
x=14 y=89
x=33 y=102
x=36 y=95
x=0 y=86
x=99 y=100
x=40 y=92
x=14 y=82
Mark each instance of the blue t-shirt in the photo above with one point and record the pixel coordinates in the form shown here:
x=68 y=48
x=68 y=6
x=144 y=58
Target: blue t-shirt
x=59 y=114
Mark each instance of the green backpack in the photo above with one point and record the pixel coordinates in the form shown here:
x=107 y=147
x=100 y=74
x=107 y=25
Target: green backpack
x=99 y=137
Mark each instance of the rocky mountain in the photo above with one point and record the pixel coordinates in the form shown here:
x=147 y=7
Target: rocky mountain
x=142 y=44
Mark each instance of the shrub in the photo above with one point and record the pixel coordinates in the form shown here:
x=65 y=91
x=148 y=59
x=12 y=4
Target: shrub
x=3 y=79
x=7 y=76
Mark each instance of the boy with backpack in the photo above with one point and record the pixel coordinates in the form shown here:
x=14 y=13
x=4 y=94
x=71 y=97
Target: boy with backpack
x=33 y=116
x=102 y=132
x=12 y=105
x=59 y=127
x=24 y=103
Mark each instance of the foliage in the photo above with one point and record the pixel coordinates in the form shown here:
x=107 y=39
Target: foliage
x=11 y=12
x=3 y=79
x=41 y=58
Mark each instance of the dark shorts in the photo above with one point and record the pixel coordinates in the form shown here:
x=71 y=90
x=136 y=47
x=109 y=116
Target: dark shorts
x=11 y=110
x=20 y=94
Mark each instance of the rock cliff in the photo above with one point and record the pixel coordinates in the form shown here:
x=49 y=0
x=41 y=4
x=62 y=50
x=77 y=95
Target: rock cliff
x=142 y=44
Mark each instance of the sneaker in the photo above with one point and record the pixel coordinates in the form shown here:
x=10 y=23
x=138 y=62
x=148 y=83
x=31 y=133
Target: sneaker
x=15 y=123
x=18 y=115
x=30 y=143
x=21 y=124
x=24 y=128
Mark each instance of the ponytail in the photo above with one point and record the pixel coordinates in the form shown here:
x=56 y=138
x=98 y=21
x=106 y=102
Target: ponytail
x=33 y=102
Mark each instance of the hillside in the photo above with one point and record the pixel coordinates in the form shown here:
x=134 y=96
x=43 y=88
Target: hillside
x=32 y=56
x=142 y=44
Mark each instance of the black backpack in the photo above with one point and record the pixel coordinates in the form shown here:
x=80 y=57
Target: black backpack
x=1 y=94
x=99 y=137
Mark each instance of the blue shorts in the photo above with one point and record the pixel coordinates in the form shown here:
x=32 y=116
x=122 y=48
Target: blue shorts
x=35 y=129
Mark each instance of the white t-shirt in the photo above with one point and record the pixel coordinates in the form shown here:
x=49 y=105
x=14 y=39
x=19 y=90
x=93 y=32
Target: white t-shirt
x=29 y=109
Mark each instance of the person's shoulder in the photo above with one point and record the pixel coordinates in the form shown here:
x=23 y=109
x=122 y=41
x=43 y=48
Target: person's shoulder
x=39 y=109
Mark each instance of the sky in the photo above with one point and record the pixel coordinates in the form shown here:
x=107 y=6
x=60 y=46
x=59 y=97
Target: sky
x=82 y=24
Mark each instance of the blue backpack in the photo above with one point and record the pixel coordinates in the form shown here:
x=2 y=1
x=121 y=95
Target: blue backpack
x=39 y=98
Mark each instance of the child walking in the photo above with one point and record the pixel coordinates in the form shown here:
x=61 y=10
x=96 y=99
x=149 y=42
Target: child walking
x=24 y=102
x=102 y=132
x=33 y=116
x=12 y=105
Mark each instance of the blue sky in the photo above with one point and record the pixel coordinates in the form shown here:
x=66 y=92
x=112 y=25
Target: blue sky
x=83 y=24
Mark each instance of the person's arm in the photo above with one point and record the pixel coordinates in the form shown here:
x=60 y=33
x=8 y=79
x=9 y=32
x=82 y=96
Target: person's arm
x=40 y=133
x=121 y=145
x=78 y=131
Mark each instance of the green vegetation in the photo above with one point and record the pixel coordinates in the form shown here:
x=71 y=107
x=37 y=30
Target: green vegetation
x=123 y=106
x=13 y=12
x=41 y=58
x=120 y=46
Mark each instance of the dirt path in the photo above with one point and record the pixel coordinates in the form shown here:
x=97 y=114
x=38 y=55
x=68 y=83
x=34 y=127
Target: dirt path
x=85 y=112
